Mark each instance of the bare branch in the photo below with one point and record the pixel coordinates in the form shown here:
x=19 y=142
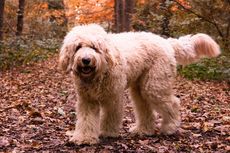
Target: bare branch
x=200 y=16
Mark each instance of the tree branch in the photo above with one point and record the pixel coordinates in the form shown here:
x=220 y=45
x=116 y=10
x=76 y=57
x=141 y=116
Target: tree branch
x=201 y=17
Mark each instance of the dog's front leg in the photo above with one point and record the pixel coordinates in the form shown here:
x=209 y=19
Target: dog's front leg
x=87 y=125
x=111 y=116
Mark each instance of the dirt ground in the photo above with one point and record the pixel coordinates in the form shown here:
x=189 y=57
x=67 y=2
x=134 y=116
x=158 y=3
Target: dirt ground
x=37 y=109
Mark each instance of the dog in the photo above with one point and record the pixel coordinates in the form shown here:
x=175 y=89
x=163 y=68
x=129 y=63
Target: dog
x=103 y=65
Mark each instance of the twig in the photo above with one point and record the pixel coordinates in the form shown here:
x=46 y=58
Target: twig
x=13 y=30
x=202 y=17
x=10 y=26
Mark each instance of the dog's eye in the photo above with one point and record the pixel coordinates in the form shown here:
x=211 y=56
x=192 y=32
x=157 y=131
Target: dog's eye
x=78 y=47
x=94 y=48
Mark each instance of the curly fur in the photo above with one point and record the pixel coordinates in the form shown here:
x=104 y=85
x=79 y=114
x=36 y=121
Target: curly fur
x=143 y=63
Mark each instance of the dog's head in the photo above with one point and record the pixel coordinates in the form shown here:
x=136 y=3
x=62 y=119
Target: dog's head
x=86 y=52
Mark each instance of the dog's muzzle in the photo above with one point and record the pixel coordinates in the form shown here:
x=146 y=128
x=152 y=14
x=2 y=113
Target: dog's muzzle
x=86 y=70
x=86 y=67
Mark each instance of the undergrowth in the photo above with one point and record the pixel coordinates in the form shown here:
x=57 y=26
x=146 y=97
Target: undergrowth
x=208 y=69
x=19 y=52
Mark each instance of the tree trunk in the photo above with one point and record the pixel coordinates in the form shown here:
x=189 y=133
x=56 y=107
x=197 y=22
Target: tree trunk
x=2 y=4
x=123 y=11
x=165 y=25
x=166 y=19
x=118 y=15
x=129 y=9
x=20 y=17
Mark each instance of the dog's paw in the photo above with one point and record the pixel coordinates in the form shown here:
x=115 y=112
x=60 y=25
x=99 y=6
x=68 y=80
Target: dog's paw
x=142 y=131
x=169 y=129
x=80 y=140
x=109 y=134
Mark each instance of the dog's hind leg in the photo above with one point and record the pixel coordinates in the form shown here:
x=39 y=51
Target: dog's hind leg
x=87 y=126
x=156 y=88
x=143 y=114
x=111 y=116
x=169 y=107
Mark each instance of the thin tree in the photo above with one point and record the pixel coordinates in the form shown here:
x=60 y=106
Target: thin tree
x=20 y=16
x=123 y=12
x=129 y=9
x=167 y=14
x=119 y=5
x=2 y=4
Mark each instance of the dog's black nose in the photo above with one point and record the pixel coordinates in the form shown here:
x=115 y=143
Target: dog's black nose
x=86 y=60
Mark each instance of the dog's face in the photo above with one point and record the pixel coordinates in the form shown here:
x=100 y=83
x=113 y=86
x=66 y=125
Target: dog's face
x=88 y=62
x=84 y=60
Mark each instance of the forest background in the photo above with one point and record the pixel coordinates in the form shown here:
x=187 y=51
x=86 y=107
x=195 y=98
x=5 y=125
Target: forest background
x=37 y=100
x=34 y=30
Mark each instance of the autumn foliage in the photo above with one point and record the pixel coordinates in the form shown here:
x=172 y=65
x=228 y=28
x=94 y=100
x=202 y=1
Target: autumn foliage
x=46 y=22
x=37 y=101
x=100 y=11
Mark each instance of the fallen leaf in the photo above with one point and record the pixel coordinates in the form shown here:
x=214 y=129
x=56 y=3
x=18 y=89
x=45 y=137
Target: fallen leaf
x=207 y=126
x=144 y=142
x=61 y=111
x=196 y=135
x=4 y=142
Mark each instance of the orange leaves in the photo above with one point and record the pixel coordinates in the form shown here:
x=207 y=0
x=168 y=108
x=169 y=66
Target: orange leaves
x=110 y=3
x=44 y=5
x=183 y=3
x=91 y=10
x=45 y=13
x=174 y=8
x=142 y=1
x=82 y=11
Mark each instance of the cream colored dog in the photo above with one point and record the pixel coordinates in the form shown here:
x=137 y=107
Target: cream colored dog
x=104 y=65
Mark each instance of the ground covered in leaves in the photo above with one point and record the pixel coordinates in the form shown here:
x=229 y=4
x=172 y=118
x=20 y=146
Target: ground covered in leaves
x=37 y=109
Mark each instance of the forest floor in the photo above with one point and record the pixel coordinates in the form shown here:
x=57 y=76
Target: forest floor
x=37 y=109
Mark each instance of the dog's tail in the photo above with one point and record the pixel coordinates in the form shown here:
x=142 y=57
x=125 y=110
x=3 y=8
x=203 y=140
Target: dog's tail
x=191 y=48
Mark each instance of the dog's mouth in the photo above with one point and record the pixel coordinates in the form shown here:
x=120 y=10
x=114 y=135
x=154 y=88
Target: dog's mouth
x=86 y=70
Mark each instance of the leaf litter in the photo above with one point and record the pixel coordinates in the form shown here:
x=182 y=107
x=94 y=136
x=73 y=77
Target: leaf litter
x=37 y=113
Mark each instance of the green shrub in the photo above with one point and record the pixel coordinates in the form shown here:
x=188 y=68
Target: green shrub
x=208 y=69
x=19 y=52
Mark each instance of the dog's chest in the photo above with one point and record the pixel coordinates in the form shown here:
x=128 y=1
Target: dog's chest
x=93 y=91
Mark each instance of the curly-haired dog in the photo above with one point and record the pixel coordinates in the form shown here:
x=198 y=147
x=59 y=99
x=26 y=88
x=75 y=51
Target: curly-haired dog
x=104 y=65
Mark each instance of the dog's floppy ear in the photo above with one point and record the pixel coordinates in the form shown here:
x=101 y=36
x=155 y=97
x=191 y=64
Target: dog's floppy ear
x=109 y=58
x=66 y=56
x=108 y=49
x=111 y=53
